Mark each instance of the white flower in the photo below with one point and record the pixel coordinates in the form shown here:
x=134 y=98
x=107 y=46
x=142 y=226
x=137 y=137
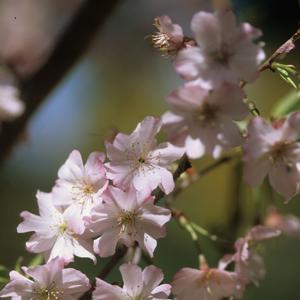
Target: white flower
x=202 y=121
x=126 y=217
x=273 y=150
x=206 y=283
x=136 y=159
x=57 y=233
x=50 y=281
x=225 y=51
x=80 y=184
x=138 y=285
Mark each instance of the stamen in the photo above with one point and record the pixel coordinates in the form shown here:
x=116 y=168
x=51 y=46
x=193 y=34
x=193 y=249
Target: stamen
x=126 y=220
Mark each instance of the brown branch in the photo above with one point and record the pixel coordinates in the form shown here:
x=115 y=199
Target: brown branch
x=284 y=49
x=204 y=171
x=183 y=165
x=280 y=52
x=111 y=264
x=72 y=43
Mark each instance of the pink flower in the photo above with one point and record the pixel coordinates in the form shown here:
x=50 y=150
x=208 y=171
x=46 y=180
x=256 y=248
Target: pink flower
x=201 y=121
x=49 y=281
x=273 y=150
x=225 y=51
x=138 y=284
x=169 y=38
x=126 y=217
x=57 y=233
x=249 y=265
x=287 y=224
x=206 y=283
x=137 y=161
x=80 y=184
x=11 y=106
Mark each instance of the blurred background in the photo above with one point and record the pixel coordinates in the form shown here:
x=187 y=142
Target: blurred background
x=118 y=81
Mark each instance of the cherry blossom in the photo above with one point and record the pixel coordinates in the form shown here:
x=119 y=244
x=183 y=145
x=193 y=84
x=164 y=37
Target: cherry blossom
x=201 y=121
x=287 y=224
x=50 y=281
x=205 y=283
x=273 y=150
x=169 y=38
x=225 y=51
x=138 y=284
x=249 y=265
x=11 y=106
x=136 y=159
x=57 y=233
x=126 y=217
x=80 y=184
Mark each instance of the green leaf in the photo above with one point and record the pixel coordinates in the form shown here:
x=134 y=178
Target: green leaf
x=18 y=264
x=4 y=279
x=287 y=104
x=37 y=260
x=285 y=72
x=3 y=269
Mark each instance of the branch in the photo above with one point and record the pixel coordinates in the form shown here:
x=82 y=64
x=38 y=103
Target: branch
x=183 y=165
x=111 y=264
x=284 y=49
x=204 y=171
x=70 y=46
x=280 y=52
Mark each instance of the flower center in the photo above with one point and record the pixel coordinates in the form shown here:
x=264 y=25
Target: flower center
x=126 y=220
x=278 y=153
x=221 y=55
x=49 y=293
x=83 y=192
x=63 y=227
x=207 y=113
x=142 y=160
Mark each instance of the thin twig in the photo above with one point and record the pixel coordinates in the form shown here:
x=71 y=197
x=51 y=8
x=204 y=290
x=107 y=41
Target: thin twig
x=203 y=172
x=183 y=165
x=72 y=43
x=286 y=47
x=111 y=264
x=281 y=51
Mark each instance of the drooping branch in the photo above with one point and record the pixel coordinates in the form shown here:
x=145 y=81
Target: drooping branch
x=71 y=44
x=279 y=53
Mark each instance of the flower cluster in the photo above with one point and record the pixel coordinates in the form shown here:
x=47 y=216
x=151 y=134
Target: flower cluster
x=110 y=202
x=95 y=207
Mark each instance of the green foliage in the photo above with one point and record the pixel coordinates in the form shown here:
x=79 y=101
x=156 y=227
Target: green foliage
x=287 y=104
x=286 y=72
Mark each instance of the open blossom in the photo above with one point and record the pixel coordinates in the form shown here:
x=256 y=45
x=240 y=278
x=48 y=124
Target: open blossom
x=80 y=184
x=249 y=265
x=225 y=51
x=205 y=283
x=273 y=150
x=138 y=284
x=10 y=105
x=287 y=224
x=136 y=159
x=57 y=233
x=50 y=281
x=127 y=217
x=169 y=38
x=201 y=121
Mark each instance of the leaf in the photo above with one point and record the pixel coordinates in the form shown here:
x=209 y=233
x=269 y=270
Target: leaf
x=37 y=260
x=18 y=264
x=287 y=104
x=3 y=269
x=4 y=279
